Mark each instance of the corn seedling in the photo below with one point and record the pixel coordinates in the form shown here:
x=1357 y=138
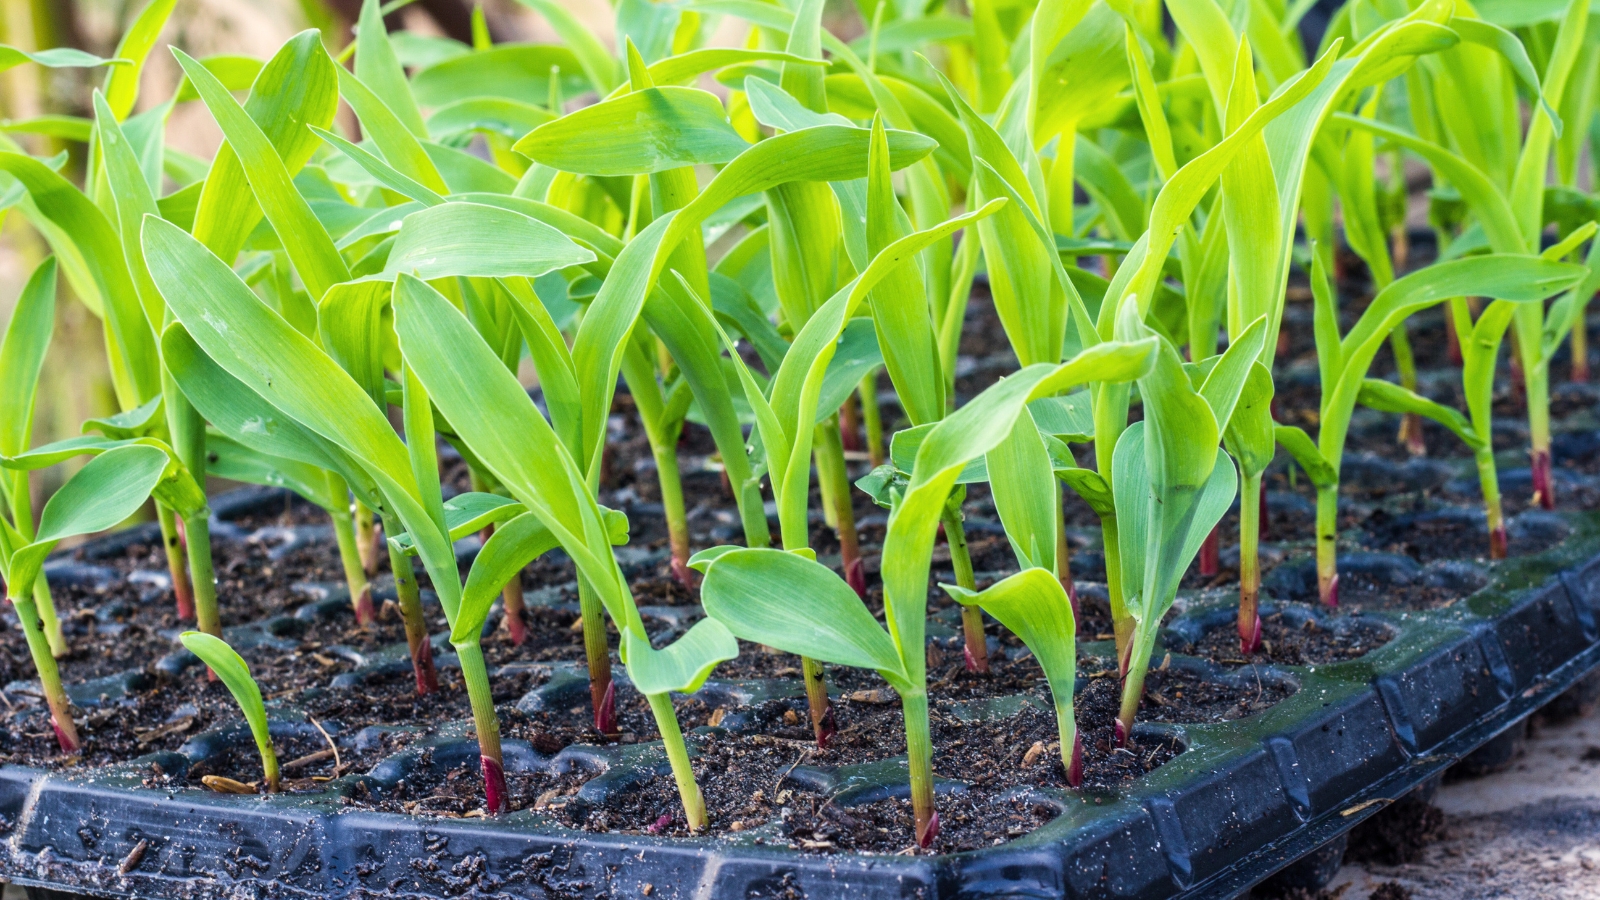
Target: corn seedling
x=235 y=675
x=787 y=600
x=1344 y=360
x=102 y=494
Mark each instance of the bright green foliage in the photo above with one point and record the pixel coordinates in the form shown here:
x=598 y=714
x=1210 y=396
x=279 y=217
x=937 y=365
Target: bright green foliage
x=317 y=308
x=235 y=674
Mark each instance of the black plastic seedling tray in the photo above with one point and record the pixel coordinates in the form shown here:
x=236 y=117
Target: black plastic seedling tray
x=1244 y=799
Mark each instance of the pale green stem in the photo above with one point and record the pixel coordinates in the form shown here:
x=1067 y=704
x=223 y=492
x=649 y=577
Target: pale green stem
x=1122 y=622
x=601 y=691
x=1489 y=480
x=410 y=595
x=671 y=482
x=366 y=538
x=344 y=534
x=49 y=676
x=919 y=759
x=1143 y=642
x=484 y=720
x=971 y=616
x=834 y=479
x=197 y=526
x=694 y=805
x=872 y=418
x=182 y=591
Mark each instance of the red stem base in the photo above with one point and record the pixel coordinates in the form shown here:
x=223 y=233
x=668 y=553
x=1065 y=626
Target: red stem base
x=1544 y=494
x=926 y=835
x=605 y=711
x=1209 y=564
x=494 y=786
x=422 y=666
x=1075 y=770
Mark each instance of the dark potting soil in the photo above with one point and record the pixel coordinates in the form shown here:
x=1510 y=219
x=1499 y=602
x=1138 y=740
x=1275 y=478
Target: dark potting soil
x=1179 y=695
x=1284 y=642
x=761 y=788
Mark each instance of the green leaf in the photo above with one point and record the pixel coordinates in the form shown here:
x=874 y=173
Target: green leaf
x=638 y=133
x=509 y=118
x=241 y=415
x=379 y=69
x=22 y=353
x=106 y=491
x=598 y=65
x=514 y=544
x=796 y=604
x=684 y=665
x=393 y=136
x=227 y=458
x=82 y=235
x=237 y=72
x=1070 y=417
x=256 y=346
x=477 y=240
x=298 y=87
x=141 y=421
x=56 y=58
x=304 y=238
x=1249 y=432
x=235 y=674
x=1033 y=606
x=385 y=174
x=513 y=71
x=1385 y=396
x=67 y=128
x=1026 y=497
x=122 y=87
x=1322 y=473
x=1161 y=522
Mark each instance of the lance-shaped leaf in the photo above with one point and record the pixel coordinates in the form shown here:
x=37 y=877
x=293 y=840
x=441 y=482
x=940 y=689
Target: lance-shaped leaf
x=1322 y=473
x=55 y=58
x=298 y=87
x=235 y=674
x=1022 y=483
x=637 y=133
x=1500 y=276
x=1386 y=396
x=122 y=88
x=303 y=235
x=227 y=458
x=683 y=665
x=1249 y=432
x=1033 y=606
x=788 y=601
x=90 y=254
x=107 y=490
x=256 y=346
x=476 y=240
x=1161 y=523
x=379 y=68
x=492 y=413
x=22 y=353
x=824 y=153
